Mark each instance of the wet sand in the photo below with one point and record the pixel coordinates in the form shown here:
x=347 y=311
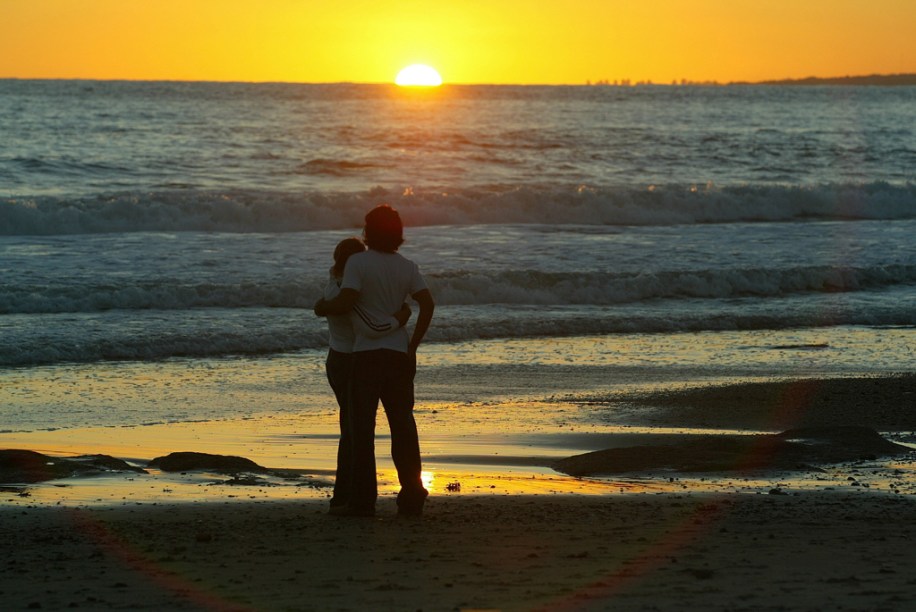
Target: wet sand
x=512 y=535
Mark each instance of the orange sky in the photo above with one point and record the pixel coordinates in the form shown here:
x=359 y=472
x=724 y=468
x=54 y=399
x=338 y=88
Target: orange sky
x=468 y=41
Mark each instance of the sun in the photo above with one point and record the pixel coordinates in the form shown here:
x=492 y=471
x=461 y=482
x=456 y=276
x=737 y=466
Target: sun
x=418 y=75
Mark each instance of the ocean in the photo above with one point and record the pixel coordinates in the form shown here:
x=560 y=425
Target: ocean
x=151 y=226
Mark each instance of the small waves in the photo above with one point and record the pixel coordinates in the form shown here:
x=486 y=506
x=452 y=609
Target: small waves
x=155 y=335
x=461 y=288
x=269 y=211
x=333 y=167
x=158 y=295
x=599 y=288
x=66 y=166
x=211 y=333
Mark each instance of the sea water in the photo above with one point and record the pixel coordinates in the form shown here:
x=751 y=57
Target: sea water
x=175 y=225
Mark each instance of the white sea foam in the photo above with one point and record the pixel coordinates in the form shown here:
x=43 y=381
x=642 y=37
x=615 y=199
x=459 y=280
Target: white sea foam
x=266 y=211
x=471 y=288
x=156 y=335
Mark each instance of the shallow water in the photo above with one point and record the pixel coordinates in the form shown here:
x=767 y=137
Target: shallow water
x=488 y=372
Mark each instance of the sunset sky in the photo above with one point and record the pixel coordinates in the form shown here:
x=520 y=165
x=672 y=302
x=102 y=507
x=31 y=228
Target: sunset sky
x=468 y=41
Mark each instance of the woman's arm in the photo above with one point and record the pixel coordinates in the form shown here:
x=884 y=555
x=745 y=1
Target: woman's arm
x=342 y=304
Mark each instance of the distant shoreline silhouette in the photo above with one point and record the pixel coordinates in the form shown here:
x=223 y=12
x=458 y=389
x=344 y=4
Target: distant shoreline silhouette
x=871 y=79
x=878 y=80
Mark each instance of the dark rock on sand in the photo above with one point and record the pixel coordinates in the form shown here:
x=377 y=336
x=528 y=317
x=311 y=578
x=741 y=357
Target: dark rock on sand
x=22 y=466
x=188 y=461
x=107 y=462
x=789 y=450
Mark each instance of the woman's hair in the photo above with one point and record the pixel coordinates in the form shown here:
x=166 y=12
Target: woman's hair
x=384 y=230
x=345 y=248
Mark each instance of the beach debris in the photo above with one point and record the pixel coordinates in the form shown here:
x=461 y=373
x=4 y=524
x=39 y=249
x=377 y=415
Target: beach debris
x=453 y=487
x=791 y=450
x=24 y=466
x=315 y=483
x=246 y=480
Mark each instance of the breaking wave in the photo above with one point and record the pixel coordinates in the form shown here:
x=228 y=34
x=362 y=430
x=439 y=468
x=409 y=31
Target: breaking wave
x=464 y=288
x=269 y=211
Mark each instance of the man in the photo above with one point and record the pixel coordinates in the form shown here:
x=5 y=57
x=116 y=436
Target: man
x=375 y=284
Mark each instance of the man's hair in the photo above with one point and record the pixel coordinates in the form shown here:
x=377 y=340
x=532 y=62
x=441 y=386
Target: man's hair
x=346 y=248
x=384 y=230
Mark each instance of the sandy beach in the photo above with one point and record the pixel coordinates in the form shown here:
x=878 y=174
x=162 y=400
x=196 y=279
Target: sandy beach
x=512 y=535
x=812 y=551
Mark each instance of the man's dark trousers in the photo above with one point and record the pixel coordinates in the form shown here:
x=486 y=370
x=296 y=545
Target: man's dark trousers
x=384 y=375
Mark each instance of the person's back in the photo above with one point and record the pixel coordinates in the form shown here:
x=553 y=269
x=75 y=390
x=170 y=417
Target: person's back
x=384 y=282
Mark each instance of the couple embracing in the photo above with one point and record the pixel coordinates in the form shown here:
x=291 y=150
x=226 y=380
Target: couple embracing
x=372 y=358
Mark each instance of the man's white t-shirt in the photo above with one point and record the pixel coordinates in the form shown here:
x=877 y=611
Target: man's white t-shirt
x=342 y=328
x=384 y=281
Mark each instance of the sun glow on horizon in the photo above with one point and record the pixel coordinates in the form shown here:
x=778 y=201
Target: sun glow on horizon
x=418 y=75
x=473 y=42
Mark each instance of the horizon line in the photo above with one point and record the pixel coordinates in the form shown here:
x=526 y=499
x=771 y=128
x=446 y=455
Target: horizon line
x=625 y=82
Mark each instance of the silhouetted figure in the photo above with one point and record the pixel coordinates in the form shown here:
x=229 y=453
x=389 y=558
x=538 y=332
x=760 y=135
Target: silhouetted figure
x=339 y=363
x=376 y=282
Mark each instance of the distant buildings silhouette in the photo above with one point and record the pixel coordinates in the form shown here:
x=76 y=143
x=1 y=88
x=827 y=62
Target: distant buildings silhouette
x=872 y=79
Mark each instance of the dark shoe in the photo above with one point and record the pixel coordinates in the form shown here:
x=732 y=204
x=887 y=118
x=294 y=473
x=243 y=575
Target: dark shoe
x=410 y=504
x=346 y=510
